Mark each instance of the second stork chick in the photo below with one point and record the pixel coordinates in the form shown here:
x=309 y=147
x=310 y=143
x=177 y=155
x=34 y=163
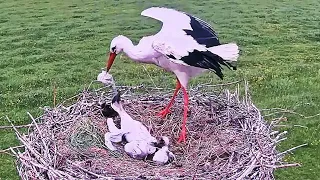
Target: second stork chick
x=140 y=142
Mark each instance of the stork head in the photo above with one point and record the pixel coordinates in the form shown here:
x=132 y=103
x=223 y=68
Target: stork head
x=116 y=103
x=116 y=47
x=161 y=142
x=107 y=111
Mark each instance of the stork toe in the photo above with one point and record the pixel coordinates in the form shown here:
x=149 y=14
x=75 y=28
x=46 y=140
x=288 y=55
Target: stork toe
x=164 y=113
x=182 y=137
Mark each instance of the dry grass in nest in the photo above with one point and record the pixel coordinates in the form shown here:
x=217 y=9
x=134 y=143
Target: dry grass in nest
x=227 y=138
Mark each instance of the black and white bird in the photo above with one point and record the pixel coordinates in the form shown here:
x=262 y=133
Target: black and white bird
x=131 y=129
x=186 y=46
x=140 y=143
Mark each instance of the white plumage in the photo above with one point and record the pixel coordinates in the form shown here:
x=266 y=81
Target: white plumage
x=137 y=147
x=186 y=46
x=131 y=129
x=163 y=155
x=140 y=142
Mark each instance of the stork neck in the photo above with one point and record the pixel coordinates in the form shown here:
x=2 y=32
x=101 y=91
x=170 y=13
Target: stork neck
x=131 y=53
x=128 y=47
x=126 y=43
x=137 y=52
x=124 y=116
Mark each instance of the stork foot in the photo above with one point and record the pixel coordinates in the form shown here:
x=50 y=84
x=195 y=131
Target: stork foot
x=182 y=137
x=164 y=113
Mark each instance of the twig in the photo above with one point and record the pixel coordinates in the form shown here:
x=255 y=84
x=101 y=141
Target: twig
x=249 y=170
x=289 y=150
x=222 y=84
x=87 y=171
x=47 y=154
x=19 y=126
x=9 y=149
x=280 y=110
x=54 y=94
x=295 y=125
x=283 y=166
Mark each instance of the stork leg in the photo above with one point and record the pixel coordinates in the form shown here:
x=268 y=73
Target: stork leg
x=182 y=137
x=166 y=111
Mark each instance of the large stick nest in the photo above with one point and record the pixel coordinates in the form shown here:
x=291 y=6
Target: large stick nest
x=227 y=138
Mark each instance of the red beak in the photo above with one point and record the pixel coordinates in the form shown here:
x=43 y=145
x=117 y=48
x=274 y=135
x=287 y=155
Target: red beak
x=109 y=63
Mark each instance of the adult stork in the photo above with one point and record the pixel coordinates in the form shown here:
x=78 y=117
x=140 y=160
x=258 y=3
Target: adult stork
x=186 y=46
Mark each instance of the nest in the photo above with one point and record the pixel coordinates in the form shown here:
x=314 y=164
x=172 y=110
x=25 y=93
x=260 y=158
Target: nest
x=227 y=138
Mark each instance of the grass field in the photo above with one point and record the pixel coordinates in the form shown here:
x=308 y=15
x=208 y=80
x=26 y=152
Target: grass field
x=43 y=43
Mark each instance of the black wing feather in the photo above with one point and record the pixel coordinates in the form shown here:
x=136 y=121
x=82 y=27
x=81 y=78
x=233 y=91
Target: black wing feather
x=207 y=60
x=202 y=32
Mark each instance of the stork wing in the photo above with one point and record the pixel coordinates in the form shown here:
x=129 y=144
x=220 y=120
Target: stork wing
x=188 y=40
x=180 y=23
x=171 y=19
x=186 y=51
x=176 y=47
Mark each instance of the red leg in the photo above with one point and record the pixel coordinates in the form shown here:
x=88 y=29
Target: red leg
x=166 y=111
x=185 y=114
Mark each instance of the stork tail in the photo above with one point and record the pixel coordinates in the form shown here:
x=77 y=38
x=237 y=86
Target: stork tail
x=228 y=52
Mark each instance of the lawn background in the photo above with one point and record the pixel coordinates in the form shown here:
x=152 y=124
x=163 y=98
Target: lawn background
x=61 y=42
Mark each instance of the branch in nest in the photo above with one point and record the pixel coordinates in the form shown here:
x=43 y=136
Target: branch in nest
x=19 y=126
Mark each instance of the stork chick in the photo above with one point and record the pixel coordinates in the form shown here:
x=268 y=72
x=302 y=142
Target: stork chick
x=163 y=155
x=140 y=142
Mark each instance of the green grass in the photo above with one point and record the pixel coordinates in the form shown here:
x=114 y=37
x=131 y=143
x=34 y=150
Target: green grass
x=64 y=43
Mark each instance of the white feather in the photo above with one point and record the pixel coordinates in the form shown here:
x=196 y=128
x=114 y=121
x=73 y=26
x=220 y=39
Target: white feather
x=133 y=129
x=108 y=137
x=172 y=39
x=178 y=46
x=139 y=149
x=111 y=126
x=114 y=135
x=172 y=19
x=228 y=52
x=163 y=155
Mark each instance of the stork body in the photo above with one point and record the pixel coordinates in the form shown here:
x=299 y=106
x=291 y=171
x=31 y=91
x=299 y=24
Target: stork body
x=186 y=46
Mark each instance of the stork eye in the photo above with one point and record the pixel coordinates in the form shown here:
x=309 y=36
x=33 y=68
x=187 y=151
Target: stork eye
x=113 y=49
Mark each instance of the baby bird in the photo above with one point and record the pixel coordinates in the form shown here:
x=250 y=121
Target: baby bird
x=135 y=133
x=163 y=155
x=140 y=142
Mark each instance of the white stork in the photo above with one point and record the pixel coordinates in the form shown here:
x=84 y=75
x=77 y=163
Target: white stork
x=186 y=46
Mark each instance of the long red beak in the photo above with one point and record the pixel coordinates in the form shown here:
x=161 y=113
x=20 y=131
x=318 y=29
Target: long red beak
x=109 y=63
